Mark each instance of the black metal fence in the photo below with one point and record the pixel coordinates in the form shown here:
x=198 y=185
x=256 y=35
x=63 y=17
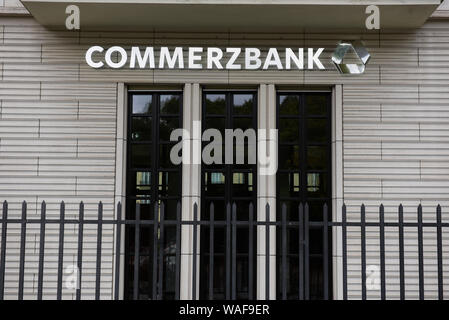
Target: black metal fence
x=159 y=223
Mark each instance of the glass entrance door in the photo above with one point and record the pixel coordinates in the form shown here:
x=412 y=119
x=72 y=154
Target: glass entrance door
x=304 y=176
x=223 y=184
x=151 y=179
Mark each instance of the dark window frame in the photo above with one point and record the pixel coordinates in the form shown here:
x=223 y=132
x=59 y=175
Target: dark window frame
x=227 y=170
x=303 y=142
x=155 y=170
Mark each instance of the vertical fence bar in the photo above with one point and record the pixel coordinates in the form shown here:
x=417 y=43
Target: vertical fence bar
x=344 y=252
x=60 y=249
x=161 y=252
x=306 y=253
x=99 y=236
x=420 y=254
x=22 y=249
x=211 y=251
x=155 y=240
x=301 y=252
x=401 y=253
x=118 y=240
x=178 y=249
x=234 y=252
x=440 y=254
x=136 y=253
x=325 y=253
x=228 y=251
x=250 y=251
x=267 y=252
x=382 y=251
x=284 y=251
x=195 y=236
x=3 y=249
x=40 y=279
x=80 y=250
x=363 y=249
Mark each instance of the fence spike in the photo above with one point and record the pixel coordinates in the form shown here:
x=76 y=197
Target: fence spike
x=60 y=249
x=401 y=252
x=420 y=254
x=382 y=252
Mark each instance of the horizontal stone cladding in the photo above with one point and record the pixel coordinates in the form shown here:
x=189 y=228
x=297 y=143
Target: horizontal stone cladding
x=58 y=131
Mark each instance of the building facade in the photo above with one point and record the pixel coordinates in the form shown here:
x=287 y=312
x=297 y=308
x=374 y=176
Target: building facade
x=70 y=132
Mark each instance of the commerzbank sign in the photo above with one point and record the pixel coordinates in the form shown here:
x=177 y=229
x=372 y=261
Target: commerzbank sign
x=197 y=58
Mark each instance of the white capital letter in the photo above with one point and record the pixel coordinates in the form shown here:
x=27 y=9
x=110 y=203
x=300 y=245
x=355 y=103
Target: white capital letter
x=193 y=57
x=89 y=60
x=298 y=60
x=235 y=54
x=171 y=61
x=315 y=58
x=214 y=55
x=122 y=60
x=252 y=55
x=142 y=61
x=272 y=59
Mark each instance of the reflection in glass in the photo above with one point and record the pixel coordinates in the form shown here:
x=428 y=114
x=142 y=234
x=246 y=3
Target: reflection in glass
x=317 y=157
x=169 y=103
x=142 y=104
x=317 y=130
x=215 y=103
x=166 y=126
x=313 y=182
x=289 y=157
x=288 y=130
x=143 y=182
x=316 y=104
x=141 y=129
x=289 y=104
x=140 y=155
x=243 y=104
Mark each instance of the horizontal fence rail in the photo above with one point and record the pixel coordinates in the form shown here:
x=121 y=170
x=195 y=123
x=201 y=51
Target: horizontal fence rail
x=231 y=224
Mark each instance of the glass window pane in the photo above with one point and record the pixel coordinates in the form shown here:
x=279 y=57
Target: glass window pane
x=292 y=210
x=316 y=210
x=171 y=207
x=316 y=104
x=216 y=123
x=289 y=104
x=141 y=155
x=214 y=183
x=243 y=103
x=317 y=130
x=146 y=208
x=289 y=157
x=219 y=209
x=170 y=103
x=243 y=123
x=166 y=126
x=143 y=182
x=242 y=184
x=142 y=104
x=164 y=155
x=316 y=185
x=317 y=158
x=215 y=103
x=289 y=184
x=141 y=129
x=288 y=130
x=168 y=184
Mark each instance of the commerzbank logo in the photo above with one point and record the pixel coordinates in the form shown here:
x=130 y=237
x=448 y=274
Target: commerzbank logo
x=345 y=47
x=231 y=58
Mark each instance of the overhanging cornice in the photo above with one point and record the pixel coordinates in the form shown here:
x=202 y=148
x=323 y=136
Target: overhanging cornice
x=231 y=14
